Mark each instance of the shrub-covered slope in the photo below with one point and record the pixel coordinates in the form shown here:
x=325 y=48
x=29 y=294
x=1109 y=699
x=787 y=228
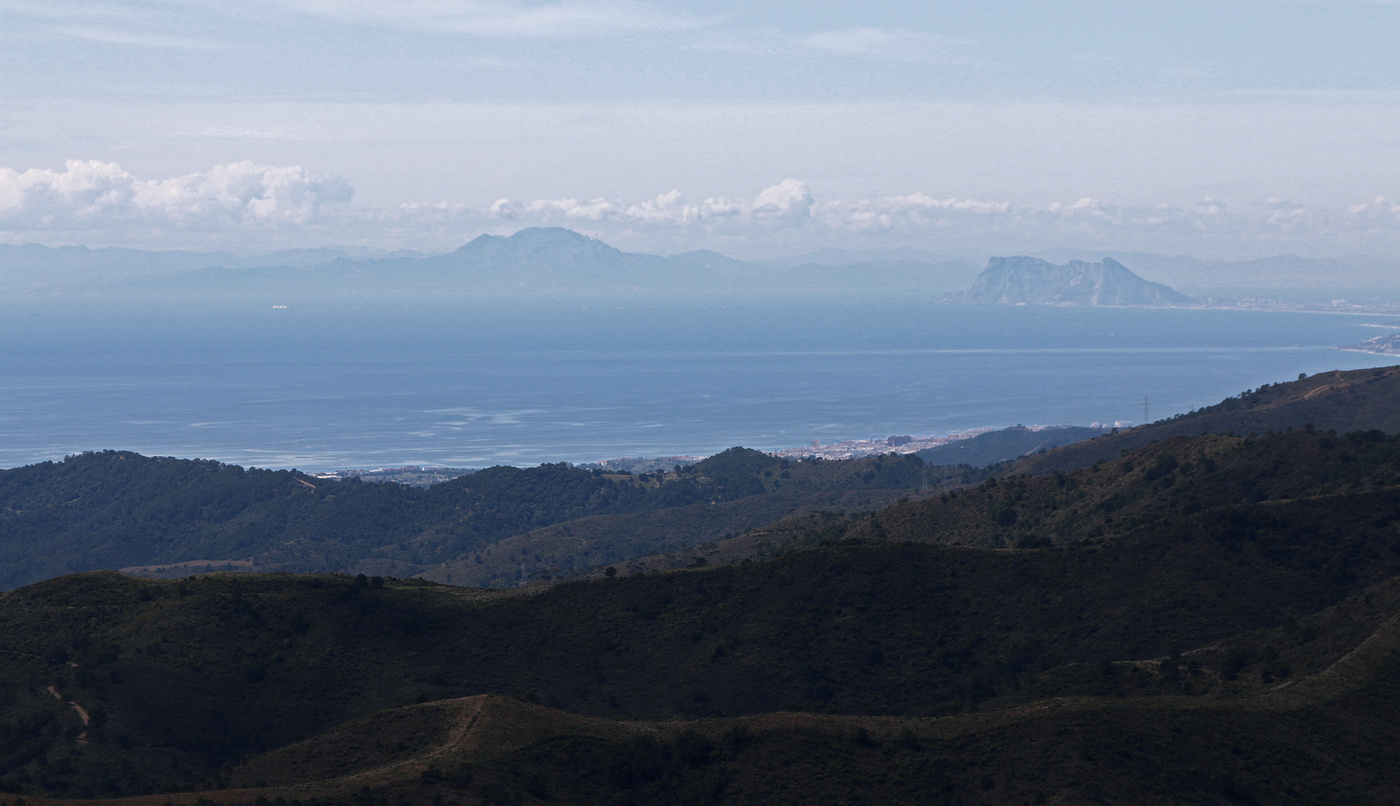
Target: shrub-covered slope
x=1213 y=619
x=180 y=678
x=119 y=510
x=1164 y=480
x=1005 y=445
x=1341 y=401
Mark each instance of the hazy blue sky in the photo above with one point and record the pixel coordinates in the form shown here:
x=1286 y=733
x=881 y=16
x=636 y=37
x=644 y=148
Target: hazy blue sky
x=1215 y=128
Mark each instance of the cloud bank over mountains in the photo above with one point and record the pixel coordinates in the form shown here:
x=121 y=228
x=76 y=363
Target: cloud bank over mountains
x=98 y=197
x=251 y=206
x=967 y=128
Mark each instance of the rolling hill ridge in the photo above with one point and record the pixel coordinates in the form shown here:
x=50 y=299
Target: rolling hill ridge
x=1341 y=401
x=121 y=510
x=1208 y=618
x=1215 y=624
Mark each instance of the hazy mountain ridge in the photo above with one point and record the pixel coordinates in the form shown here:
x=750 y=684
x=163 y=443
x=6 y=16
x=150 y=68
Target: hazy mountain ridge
x=534 y=262
x=555 y=261
x=552 y=259
x=1288 y=277
x=31 y=268
x=1031 y=281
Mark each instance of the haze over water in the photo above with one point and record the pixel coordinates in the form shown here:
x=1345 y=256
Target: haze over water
x=476 y=386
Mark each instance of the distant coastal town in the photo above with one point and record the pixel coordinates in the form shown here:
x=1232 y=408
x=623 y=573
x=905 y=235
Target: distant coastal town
x=425 y=475
x=1334 y=306
x=844 y=449
x=1388 y=344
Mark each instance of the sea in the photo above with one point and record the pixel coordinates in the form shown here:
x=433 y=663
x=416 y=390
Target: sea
x=382 y=384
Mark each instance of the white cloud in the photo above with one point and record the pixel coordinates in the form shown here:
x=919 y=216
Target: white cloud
x=508 y=19
x=787 y=203
x=594 y=210
x=787 y=213
x=908 y=213
x=95 y=196
x=246 y=205
x=1379 y=208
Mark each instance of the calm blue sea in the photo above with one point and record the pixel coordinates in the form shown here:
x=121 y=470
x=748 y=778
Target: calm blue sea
x=462 y=385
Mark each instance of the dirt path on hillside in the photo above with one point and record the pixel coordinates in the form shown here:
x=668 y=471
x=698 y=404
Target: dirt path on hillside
x=81 y=711
x=487 y=725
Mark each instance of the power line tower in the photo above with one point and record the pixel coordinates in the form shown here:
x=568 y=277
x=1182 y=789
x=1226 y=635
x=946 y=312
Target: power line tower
x=1146 y=411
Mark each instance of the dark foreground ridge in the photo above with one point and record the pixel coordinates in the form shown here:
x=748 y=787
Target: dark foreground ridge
x=1208 y=619
x=1127 y=670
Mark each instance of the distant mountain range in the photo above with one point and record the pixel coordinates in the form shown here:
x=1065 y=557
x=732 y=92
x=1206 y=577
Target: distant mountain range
x=545 y=262
x=31 y=268
x=1031 y=281
x=1283 y=277
x=538 y=262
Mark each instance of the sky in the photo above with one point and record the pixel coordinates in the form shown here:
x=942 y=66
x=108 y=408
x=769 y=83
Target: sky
x=1218 y=129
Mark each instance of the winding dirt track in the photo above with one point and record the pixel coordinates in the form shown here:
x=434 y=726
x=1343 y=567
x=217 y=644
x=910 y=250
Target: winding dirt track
x=485 y=726
x=80 y=710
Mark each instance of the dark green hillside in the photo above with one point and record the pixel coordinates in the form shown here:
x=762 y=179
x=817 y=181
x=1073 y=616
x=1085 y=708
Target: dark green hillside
x=1006 y=444
x=102 y=509
x=1168 y=752
x=581 y=545
x=1164 y=480
x=181 y=678
x=1332 y=745
x=1355 y=400
x=780 y=489
x=120 y=510
x=1208 y=619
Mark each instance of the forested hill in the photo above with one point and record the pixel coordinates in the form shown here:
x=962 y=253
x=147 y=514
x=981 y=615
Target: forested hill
x=1007 y=443
x=1161 y=483
x=119 y=509
x=1341 y=401
x=503 y=526
x=1207 y=620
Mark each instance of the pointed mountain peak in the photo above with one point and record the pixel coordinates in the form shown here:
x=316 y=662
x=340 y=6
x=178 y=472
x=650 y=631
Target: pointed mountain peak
x=536 y=240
